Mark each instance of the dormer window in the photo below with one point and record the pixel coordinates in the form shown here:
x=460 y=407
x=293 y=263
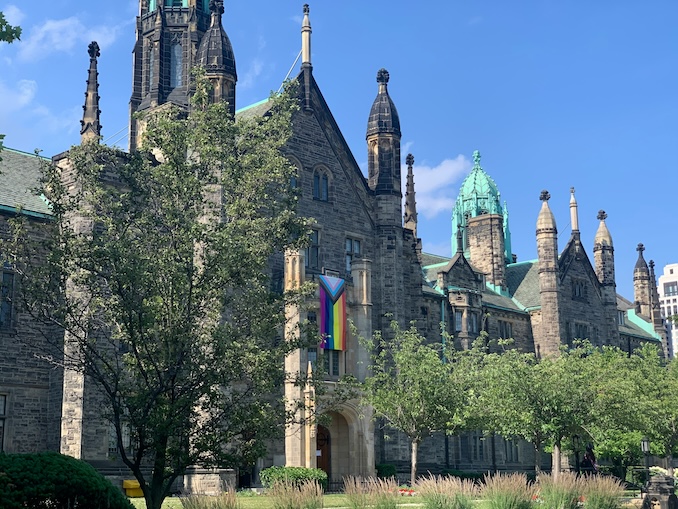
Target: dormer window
x=620 y=317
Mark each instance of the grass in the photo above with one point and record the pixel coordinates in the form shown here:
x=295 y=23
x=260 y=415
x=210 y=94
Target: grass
x=250 y=502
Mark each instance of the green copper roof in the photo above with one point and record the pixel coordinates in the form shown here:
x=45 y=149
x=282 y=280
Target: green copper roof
x=478 y=195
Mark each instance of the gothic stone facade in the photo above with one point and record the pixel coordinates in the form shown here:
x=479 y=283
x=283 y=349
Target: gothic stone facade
x=363 y=234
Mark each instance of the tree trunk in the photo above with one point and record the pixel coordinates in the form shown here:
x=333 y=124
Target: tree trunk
x=537 y=458
x=556 y=460
x=413 y=473
x=669 y=465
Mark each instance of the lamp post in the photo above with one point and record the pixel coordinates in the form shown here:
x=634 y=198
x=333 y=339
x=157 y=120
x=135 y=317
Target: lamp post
x=575 y=445
x=645 y=447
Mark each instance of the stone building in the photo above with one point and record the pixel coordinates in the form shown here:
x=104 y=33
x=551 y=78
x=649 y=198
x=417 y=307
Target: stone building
x=364 y=247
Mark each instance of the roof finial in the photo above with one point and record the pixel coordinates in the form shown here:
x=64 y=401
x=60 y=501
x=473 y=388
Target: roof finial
x=460 y=240
x=544 y=195
x=476 y=158
x=410 y=218
x=306 y=37
x=574 y=214
x=602 y=215
x=382 y=76
x=640 y=248
x=90 y=126
x=217 y=7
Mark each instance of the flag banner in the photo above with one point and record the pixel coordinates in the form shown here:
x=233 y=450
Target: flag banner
x=332 y=313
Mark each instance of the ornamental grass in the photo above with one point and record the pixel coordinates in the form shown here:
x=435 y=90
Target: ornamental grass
x=603 y=492
x=355 y=490
x=508 y=491
x=304 y=495
x=563 y=492
x=381 y=493
x=226 y=500
x=440 y=492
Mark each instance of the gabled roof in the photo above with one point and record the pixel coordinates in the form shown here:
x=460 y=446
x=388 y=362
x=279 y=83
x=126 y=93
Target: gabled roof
x=522 y=280
x=20 y=174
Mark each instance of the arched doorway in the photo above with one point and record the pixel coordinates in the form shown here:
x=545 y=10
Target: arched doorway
x=323 y=450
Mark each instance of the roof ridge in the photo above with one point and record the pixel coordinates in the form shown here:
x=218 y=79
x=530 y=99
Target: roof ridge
x=17 y=151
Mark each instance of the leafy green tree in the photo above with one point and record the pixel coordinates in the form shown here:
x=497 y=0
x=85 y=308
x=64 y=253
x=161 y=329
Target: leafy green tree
x=414 y=386
x=543 y=401
x=156 y=266
x=658 y=400
x=8 y=33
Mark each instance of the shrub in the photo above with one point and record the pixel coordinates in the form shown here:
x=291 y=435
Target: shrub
x=603 y=492
x=508 y=491
x=446 y=492
x=293 y=475
x=52 y=480
x=461 y=474
x=563 y=493
x=386 y=470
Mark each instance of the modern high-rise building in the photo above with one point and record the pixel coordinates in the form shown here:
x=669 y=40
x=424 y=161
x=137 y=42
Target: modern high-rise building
x=668 y=301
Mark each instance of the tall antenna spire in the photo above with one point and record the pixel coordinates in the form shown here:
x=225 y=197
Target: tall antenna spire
x=90 y=126
x=574 y=213
x=410 y=218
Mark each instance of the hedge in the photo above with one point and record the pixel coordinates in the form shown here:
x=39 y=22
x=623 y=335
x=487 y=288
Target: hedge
x=52 y=480
x=295 y=475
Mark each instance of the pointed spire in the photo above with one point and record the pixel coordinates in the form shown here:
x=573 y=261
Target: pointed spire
x=410 y=218
x=574 y=214
x=603 y=237
x=306 y=66
x=460 y=240
x=306 y=38
x=90 y=126
x=545 y=221
x=641 y=264
x=383 y=115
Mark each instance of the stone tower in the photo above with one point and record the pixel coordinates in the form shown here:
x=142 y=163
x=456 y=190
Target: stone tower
x=168 y=35
x=410 y=215
x=215 y=55
x=548 y=333
x=655 y=310
x=383 y=163
x=484 y=224
x=641 y=284
x=603 y=257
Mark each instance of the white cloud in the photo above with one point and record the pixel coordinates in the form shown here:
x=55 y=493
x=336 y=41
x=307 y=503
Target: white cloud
x=18 y=96
x=13 y=15
x=255 y=69
x=67 y=121
x=436 y=186
x=62 y=35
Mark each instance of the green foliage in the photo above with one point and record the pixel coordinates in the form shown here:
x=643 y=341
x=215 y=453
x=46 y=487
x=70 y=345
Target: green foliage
x=294 y=475
x=56 y=481
x=414 y=386
x=386 y=470
x=157 y=266
x=8 y=33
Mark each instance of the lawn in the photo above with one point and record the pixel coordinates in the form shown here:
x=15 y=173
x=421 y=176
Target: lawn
x=249 y=502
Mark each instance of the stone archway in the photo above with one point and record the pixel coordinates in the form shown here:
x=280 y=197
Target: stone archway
x=323 y=454
x=339 y=448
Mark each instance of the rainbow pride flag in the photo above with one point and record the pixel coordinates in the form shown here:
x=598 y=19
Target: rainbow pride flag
x=332 y=313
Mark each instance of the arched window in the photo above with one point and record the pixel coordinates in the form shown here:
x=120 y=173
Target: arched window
x=151 y=65
x=176 y=65
x=321 y=186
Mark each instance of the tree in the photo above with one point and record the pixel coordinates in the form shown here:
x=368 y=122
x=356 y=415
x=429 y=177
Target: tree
x=157 y=268
x=8 y=33
x=543 y=401
x=413 y=386
x=658 y=400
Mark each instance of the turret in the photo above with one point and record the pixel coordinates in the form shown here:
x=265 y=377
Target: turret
x=641 y=284
x=410 y=216
x=548 y=337
x=603 y=257
x=383 y=144
x=90 y=126
x=655 y=311
x=215 y=55
x=165 y=51
x=480 y=215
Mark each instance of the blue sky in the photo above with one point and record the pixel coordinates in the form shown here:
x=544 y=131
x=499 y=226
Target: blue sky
x=554 y=94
